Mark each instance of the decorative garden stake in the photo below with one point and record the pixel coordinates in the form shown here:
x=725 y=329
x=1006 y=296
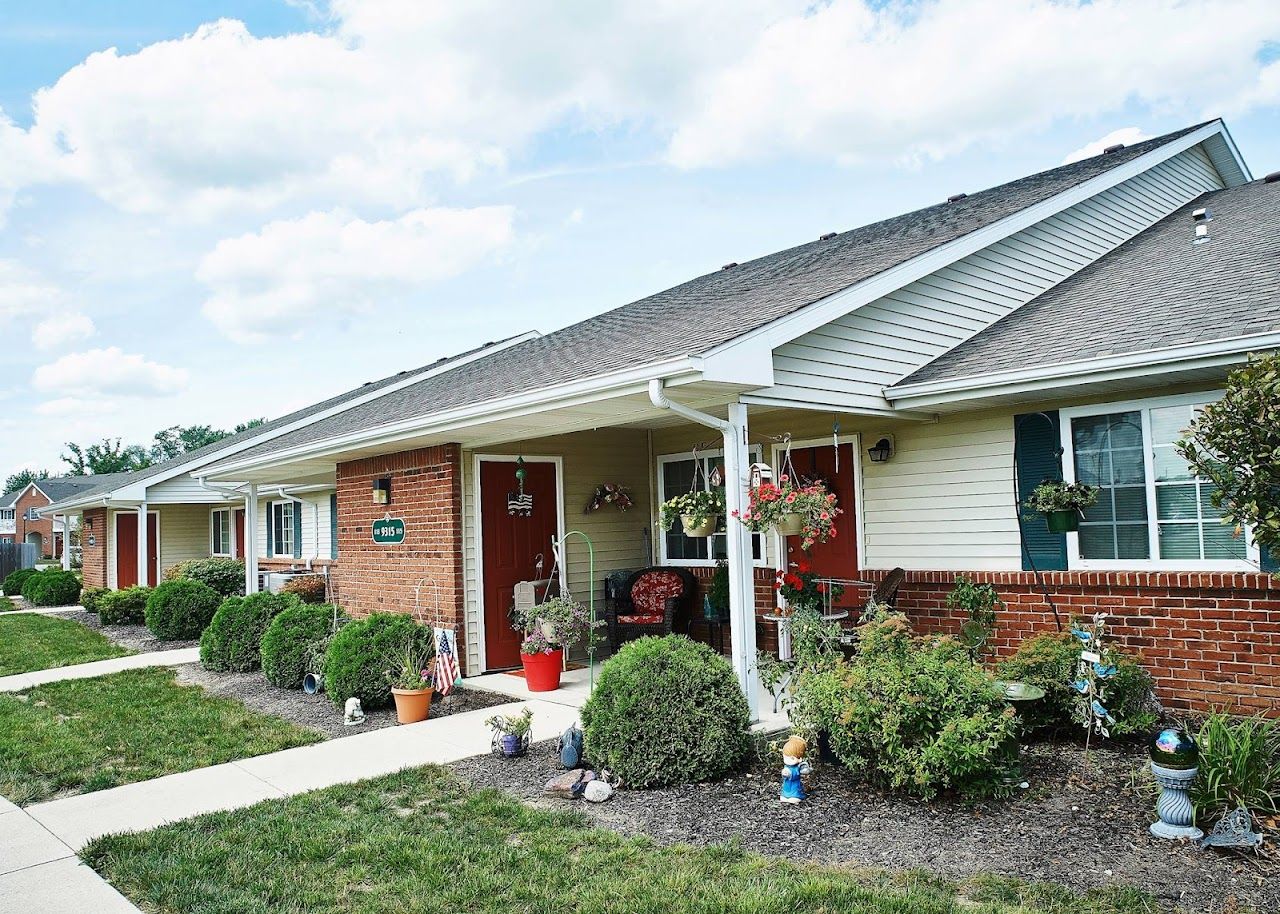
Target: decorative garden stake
x=794 y=768
x=1094 y=670
x=1175 y=762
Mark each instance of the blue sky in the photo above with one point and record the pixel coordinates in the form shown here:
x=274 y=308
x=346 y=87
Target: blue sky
x=248 y=206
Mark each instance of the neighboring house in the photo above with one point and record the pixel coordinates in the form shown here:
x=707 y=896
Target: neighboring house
x=21 y=521
x=1064 y=323
x=189 y=519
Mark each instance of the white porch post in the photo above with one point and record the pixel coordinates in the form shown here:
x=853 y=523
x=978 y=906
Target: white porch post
x=742 y=600
x=251 y=540
x=144 y=547
x=66 y=538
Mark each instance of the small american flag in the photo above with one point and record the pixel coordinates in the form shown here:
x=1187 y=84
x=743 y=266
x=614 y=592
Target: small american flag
x=446 y=661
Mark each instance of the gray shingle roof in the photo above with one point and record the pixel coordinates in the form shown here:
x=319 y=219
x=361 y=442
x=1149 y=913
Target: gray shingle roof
x=1154 y=291
x=696 y=316
x=59 y=487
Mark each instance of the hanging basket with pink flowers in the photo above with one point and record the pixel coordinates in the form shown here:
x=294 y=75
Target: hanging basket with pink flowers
x=788 y=501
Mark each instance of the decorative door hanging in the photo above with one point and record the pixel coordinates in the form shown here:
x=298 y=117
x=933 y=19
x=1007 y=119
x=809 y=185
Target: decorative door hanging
x=520 y=502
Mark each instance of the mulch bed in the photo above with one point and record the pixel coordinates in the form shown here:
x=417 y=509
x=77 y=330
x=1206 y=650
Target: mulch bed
x=317 y=711
x=1071 y=828
x=137 y=637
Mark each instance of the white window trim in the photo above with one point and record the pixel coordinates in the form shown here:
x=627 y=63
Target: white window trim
x=231 y=532
x=756 y=452
x=1074 y=560
x=276 y=552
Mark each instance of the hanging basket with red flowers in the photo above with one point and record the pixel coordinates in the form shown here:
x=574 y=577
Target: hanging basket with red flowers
x=775 y=504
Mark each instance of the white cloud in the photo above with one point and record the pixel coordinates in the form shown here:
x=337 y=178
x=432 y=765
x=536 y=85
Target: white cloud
x=62 y=330
x=107 y=372
x=292 y=272
x=22 y=293
x=75 y=406
x=1125 y=135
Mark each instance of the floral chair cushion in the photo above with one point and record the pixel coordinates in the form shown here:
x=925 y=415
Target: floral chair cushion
x=649 y=596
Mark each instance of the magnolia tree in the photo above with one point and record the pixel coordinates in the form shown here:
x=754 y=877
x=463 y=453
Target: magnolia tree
x=1235 y=444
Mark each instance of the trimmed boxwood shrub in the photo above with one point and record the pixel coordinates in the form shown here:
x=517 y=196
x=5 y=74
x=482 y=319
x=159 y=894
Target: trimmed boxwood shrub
x=12 y=586
x=224 y=575
x=52 y=587
x=666 y=711
x=233 y=640
x=124 y=607
x=362 y=652
x=1050 y=661
x=290 y=640
x=181 y=609
x=89 y=597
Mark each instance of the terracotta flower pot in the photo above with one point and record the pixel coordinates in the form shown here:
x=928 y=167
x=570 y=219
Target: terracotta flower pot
x=412 y=705
x=706 y=528
x=790 y=524
x=1063 y=521
x=542 y=671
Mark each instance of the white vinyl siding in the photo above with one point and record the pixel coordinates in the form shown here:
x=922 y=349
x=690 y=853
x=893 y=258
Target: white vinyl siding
x=184 y=534
x=316 y=528
x=849 y=361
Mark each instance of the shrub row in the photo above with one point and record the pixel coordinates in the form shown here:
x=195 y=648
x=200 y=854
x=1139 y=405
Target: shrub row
x=124 y=607
x=52 y=587
x=12 y=585
x=233 y=640
x=181 y=609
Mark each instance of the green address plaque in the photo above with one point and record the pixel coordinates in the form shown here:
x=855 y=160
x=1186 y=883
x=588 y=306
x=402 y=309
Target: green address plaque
x=388 y=532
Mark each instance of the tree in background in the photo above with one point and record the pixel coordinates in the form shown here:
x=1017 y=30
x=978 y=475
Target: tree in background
x=245 y=426
x=22 y=479
x=1235 y=444
x=107 y=456
x=176 y=440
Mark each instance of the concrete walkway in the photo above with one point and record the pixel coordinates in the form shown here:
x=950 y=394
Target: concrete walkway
x=20 y=681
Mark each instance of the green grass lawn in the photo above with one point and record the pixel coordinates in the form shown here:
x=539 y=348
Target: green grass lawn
x=34 y=642
x=82 y=735
x=420 y=841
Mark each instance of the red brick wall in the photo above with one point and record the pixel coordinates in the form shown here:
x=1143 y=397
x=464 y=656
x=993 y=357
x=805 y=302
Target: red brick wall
x=32 y=498
x=766 y=602
x=94 y=524
x=426 y=491
x=1208 y=639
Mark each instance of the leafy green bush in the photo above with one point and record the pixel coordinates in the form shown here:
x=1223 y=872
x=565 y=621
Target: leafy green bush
x=224 y=575
x=1239 y=766
x=1050 y=661
x=290 y=641
x=361 y=654
x=124 y=607
x=666 y=711
x=233 y=640
x=181 y=609
x=89 y=597
x=12 y=586
x=916 y=714
x=52 y=587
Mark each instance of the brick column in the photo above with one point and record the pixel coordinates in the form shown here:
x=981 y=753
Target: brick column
x=94 y=557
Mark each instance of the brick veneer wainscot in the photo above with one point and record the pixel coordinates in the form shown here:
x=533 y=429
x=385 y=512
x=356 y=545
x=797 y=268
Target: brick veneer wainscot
x=426 y=491
x=1208 y=639
x=94 y=557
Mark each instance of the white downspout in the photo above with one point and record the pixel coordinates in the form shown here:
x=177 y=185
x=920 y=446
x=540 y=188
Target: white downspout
x=742 y=602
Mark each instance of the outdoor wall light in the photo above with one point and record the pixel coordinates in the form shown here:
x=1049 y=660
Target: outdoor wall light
x=88 y=523
x=882 y=450
x=382 y=491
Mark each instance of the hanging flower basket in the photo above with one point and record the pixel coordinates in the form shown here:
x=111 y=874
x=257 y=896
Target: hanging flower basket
x=805 y=510
x=1062 y=503
x=1067 y=521
x=699 y=526
x=790 y=524
x=699 y=511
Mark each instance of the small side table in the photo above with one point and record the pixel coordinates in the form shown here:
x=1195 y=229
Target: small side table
x=784 y=629
x=711 y=632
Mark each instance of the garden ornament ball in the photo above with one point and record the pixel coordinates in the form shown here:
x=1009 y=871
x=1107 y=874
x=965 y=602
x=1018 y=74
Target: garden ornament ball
x=1175 y=760
x=354 y=714
x=794 y=768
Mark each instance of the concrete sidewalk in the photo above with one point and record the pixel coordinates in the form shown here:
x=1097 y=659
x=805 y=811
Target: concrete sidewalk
x=20 y=681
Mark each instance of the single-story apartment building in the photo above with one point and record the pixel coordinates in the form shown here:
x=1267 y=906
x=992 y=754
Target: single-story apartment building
x=1066 y=324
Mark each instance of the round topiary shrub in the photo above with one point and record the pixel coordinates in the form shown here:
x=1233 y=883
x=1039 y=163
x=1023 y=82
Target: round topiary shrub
x=666 y=711
x=89 y=597
x=181 y=609
x=233 y=640
x=291 y=639
x=362 y=652
x=124 y=607
x=53 y=587
x=12 y=586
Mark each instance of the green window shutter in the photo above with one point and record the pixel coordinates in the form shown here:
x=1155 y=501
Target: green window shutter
x=271 y=540
x=333 y=526
x=297 y=529
x=1267 y=561
x=1037 y=443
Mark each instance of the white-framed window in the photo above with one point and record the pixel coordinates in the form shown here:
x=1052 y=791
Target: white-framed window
x=7 y=514
x=676 y=474
x=1152 y=512
x=221 y=539
x=281 y=520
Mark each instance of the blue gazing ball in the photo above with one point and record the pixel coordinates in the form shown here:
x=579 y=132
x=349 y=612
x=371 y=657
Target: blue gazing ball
x=1175 y=748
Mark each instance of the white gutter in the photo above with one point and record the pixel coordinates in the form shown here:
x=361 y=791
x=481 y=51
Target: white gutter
x=228 y=492
x=658 y=397
x=1103 y=368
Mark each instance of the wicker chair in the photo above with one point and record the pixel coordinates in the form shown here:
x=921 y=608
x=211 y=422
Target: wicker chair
x=886 y=592
x=654 y=601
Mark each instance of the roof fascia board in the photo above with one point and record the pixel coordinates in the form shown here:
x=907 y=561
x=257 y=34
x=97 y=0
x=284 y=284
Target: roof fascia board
x=825 y=310
x=1112 y=367
x=563 y=395
x=828 y=409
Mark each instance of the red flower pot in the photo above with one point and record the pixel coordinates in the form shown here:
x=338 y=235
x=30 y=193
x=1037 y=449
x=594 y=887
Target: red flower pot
x=542 y=671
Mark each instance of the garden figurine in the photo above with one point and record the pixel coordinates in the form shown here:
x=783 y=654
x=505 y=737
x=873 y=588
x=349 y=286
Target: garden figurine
x=794 y=768
x=353 y=714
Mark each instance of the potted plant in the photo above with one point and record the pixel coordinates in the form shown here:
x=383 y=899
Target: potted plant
x=548 y=629
x=1062 y=503
x=412 y=678
x=806 y=510
x=699 y=511
x=511 y=733
x=802 y=588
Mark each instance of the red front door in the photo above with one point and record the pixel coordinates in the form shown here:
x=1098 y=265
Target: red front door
x=837 y=558
x=127 y=550
x=239 y=522
x=510 y=547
